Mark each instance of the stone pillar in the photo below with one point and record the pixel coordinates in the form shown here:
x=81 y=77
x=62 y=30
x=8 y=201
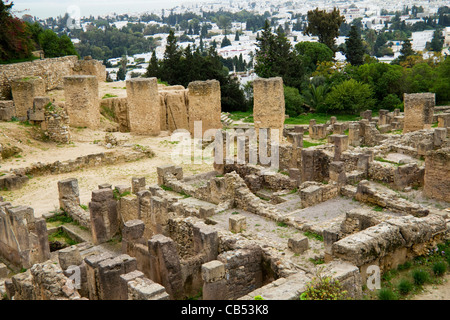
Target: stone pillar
x=69 y=193
x=366 y=115
x=237 y=224
x=214 y=282
x=23 y=91
x=419 y=108
x=92 y=263
x=382 y=117
x=109 y=272
x=104 y=217
x=437 y=174
x=444 y=120
x=312 y=123
x=340 y=145
x=297 y=139
x=337 y=172
x=7 y=110
x=298 y=244
x=37 y=113
x=144 y=110
x=353 y=134
x=145 y=289
x=137 y=184
x=165 y=265
x=82 y=103
x=204 y=99
x=439 y=136
x=269 y=107
x=319 y=131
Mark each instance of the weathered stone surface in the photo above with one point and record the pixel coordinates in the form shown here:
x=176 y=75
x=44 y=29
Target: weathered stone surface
x=437 y=174
x=418 y=111
x=204 y=105
x=23 y=91
x=81 y=101
x=298 y=244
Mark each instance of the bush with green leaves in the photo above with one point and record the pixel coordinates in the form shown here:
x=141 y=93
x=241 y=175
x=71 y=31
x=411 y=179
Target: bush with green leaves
x=324 y=288
x=386 y=294
x=420 y=276
x=439 y=268
x=293 y=101
x=405 y=286
x=349 y=96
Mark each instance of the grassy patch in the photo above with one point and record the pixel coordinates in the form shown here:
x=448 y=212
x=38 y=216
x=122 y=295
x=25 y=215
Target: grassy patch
x=313 y=235
x=166 y=188
x=61 y=236
x=320 y=118
x=307 y=144
x=239 y=115
x=109 y=95
x=388 y=161
x=60 y=217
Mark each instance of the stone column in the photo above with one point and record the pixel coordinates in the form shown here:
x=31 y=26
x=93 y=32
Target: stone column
x=109 y=280
x=204 y=100
x=312 y=123
x=353 y=134
x=69 y=193
x=340 y=145
x=214 y=282
x=104 y=217
x=144 y=110
x=23 y=91
x=269 y=107
x=7 y=110
x=82 y=103
x=419 y=108
x=382 y=117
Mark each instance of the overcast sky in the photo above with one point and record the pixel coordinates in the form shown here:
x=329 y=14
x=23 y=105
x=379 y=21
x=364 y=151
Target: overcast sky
x=53 y=8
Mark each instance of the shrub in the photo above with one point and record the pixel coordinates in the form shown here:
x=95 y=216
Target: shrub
x=404 y=266
x=439 y=268
x=350 y=96
x=420 y=276
x=324 y=288
x=405 y=286
x=386 y=294
x=293 y=100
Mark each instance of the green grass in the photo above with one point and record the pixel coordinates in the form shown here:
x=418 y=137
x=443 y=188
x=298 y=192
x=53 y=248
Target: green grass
x=61 y=217
x=320 y=118
x=313 y=235
x=238 y=115
x=387 y=161
x=61 y=236
x=109 y=95
x=166 y=188
x=307 y=144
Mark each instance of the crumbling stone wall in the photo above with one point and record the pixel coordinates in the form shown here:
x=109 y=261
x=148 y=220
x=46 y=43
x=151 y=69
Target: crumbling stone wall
x=23 y=238
x=119 y=108
x=56 y=124
x=437 y=174
x=52 y=71
x=89 y=66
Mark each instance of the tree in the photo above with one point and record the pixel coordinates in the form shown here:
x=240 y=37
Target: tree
x=313 y=53
x=15 y=39
x=437 y=43
x=355 y=49
x=225 y=42
x=324 y=25
x=236 y=36
x=55 y=46
x=406 y=50
x=275 y=57
x=153 y=67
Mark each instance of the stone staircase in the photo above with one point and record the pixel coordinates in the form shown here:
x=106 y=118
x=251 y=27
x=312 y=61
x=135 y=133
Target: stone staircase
x=224 y=117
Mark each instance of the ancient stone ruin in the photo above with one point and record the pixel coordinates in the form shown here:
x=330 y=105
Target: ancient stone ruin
x=263 y=220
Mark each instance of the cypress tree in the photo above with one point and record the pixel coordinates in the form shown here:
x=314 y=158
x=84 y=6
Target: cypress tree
x=355 y=49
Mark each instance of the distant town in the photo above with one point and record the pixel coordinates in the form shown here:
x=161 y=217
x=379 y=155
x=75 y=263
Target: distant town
x=233 y=27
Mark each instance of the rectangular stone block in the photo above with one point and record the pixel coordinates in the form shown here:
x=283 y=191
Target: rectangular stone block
x=298 y=244
x=237 y=223
x=419 y=109
x=144 y=111
x=23 y=91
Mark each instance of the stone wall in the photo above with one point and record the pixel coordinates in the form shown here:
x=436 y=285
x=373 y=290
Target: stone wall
x=52 y=71
x=437 y=174
x=24 y=90
x=23 y=238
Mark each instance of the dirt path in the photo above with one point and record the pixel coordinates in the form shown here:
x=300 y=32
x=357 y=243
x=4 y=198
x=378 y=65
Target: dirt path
x=436 y=292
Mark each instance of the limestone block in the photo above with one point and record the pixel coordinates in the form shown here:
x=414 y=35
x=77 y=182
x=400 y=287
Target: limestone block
x=82 y=102
x=3 y=271
x=23 y=91
x=133 y=230
x=213 y=271
x=269 y=106
x=310 y=196
x=204 y=99
x=145 y=289
x=419 y=108
x=437 y=174
x=144 y=110
x=298 y=244
x=137 y=184
x=7 y=110
x=444 y=120
x=69 y=257
x=237 y=223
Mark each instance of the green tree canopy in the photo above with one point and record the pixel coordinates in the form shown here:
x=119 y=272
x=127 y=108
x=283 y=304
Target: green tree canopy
x=350 y=96
x=354 y=47
x=324 y=25
x=313 y=53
